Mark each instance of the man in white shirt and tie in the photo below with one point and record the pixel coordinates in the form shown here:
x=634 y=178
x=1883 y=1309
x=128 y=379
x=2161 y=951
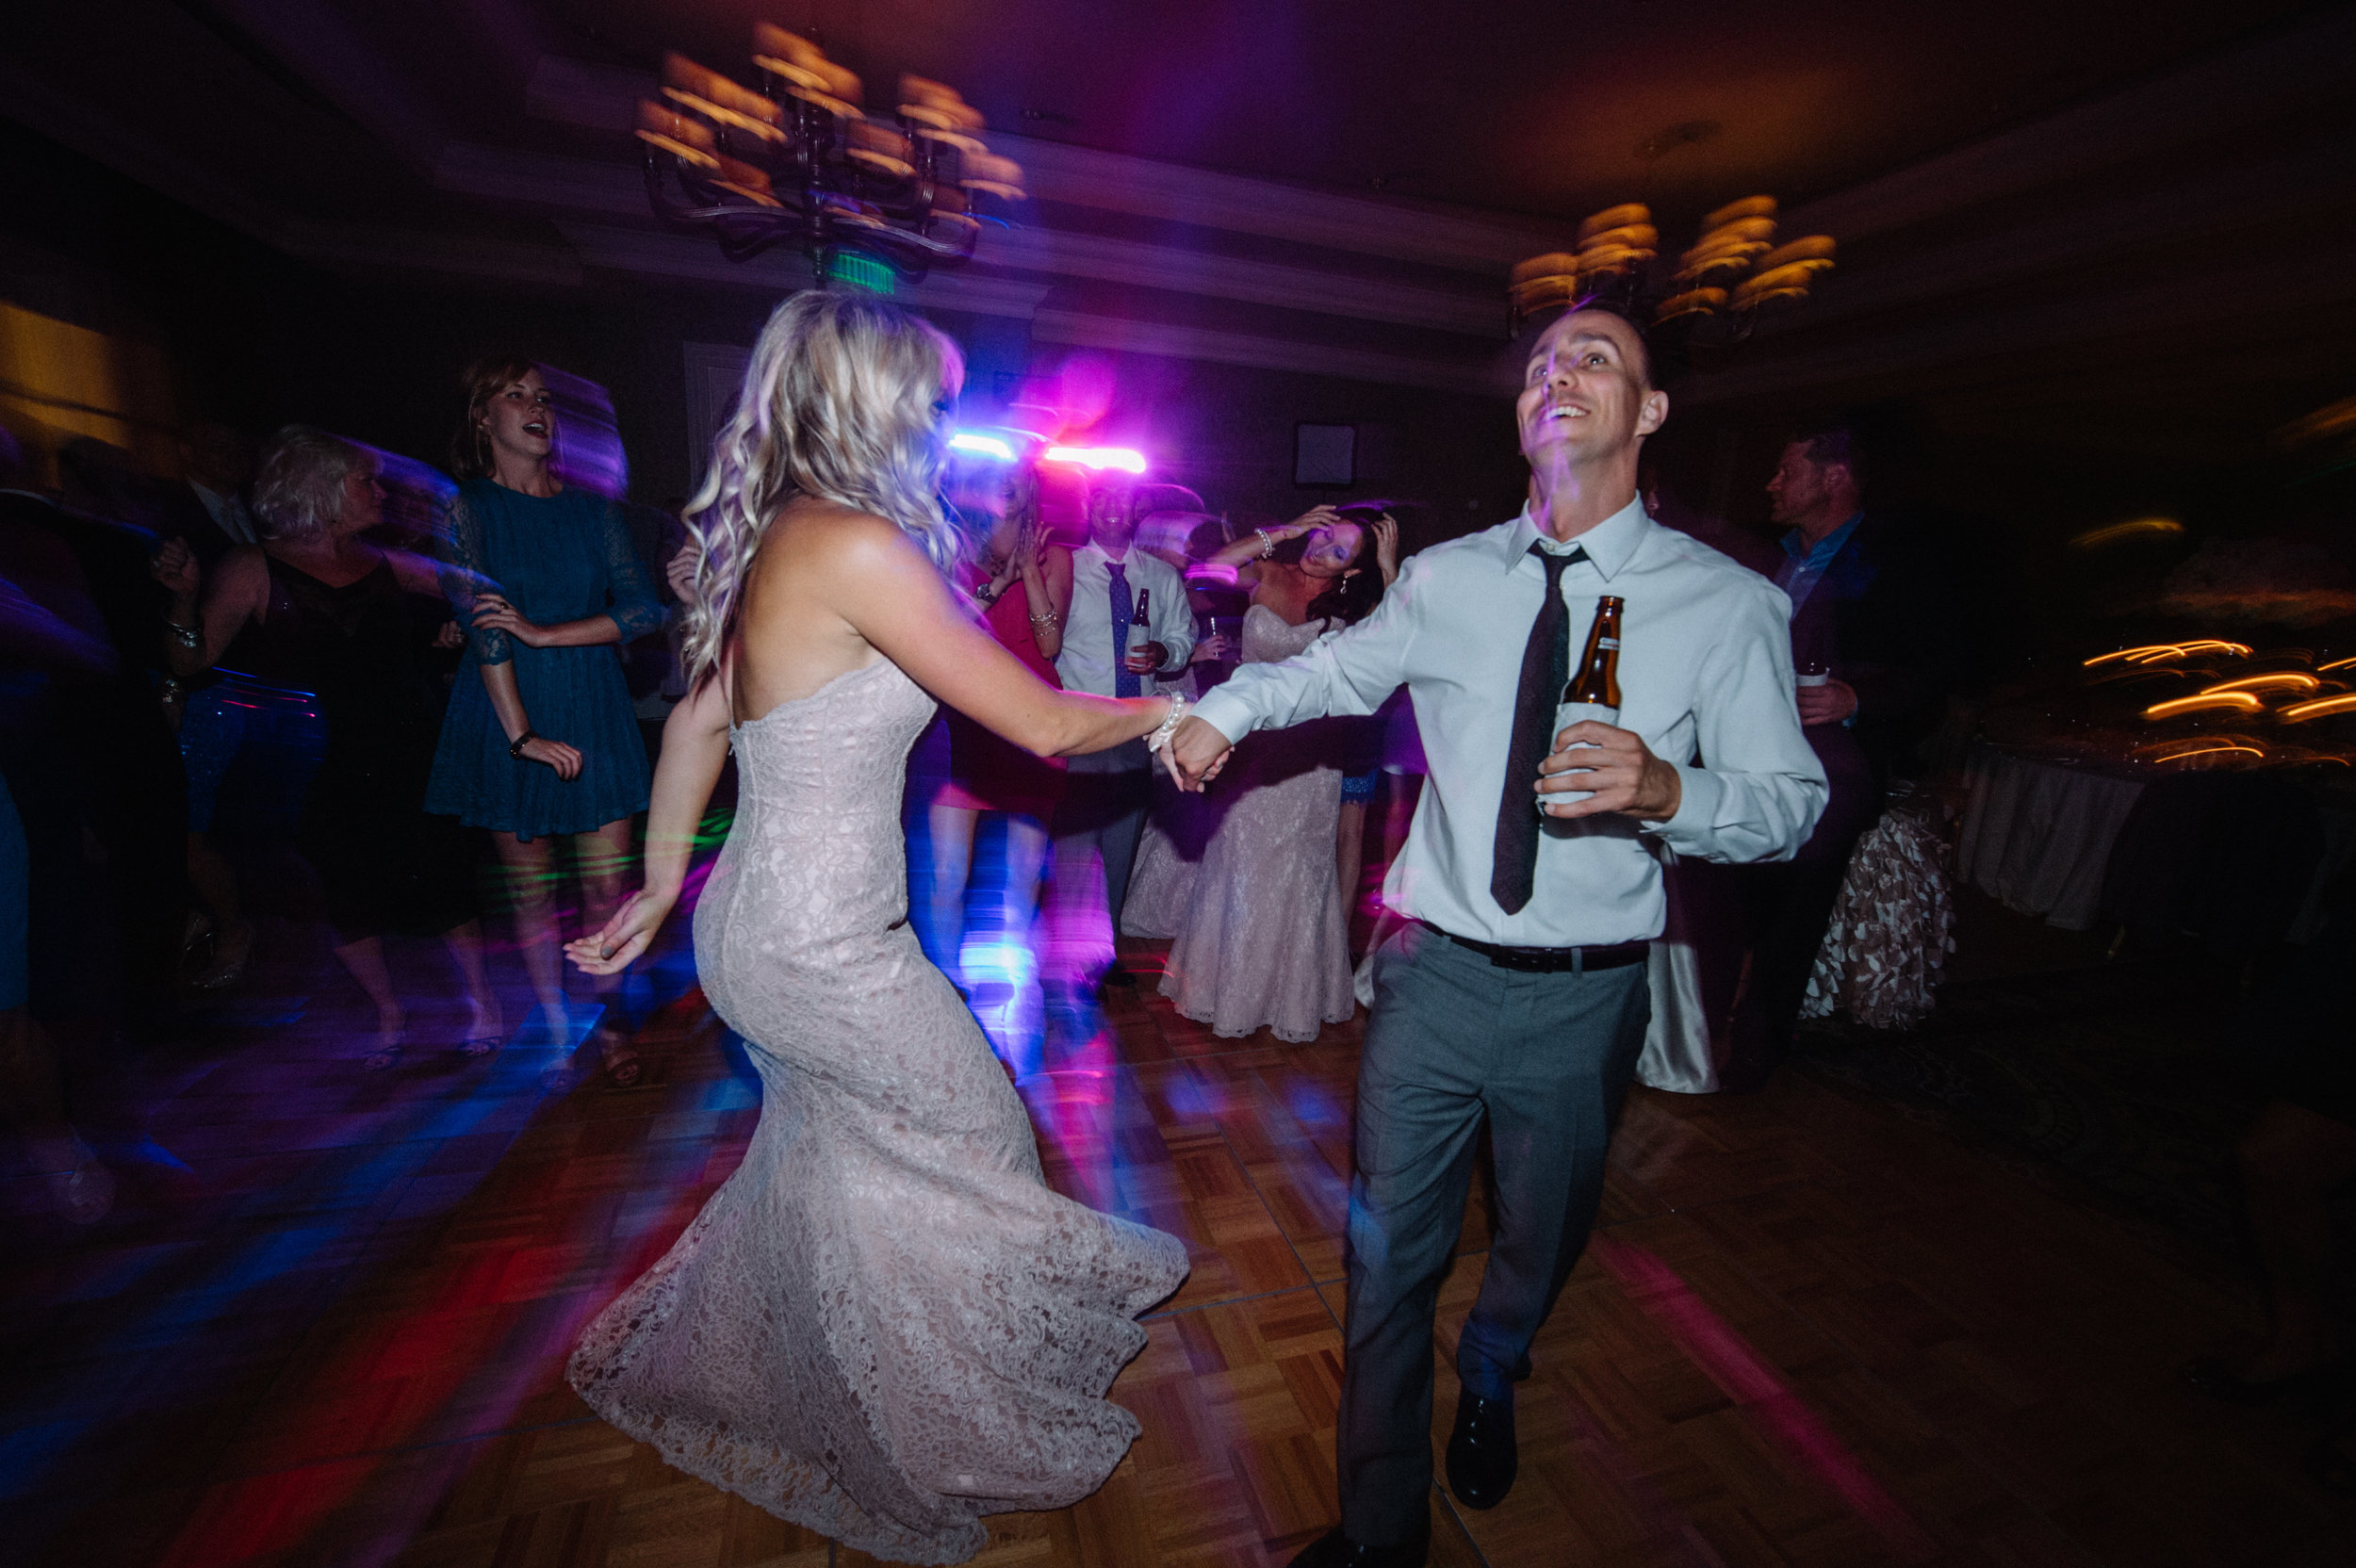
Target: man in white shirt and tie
x=1105 y=793
x=1519 y=993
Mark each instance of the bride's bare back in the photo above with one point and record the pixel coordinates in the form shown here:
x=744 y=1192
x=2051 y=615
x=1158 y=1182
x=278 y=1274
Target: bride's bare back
x=792 y=637
x=831 y=589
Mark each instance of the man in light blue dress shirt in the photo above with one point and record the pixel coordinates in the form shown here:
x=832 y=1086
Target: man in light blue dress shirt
x=1105 y=793
x=1518 y=996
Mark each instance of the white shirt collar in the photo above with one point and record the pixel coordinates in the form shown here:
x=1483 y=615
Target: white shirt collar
x=1610 y=544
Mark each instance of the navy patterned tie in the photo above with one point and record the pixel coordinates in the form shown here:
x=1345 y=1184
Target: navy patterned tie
x=1546 y=670
x=1125 y=684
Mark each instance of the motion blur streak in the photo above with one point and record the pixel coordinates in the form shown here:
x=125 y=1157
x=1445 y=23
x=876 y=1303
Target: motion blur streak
x=1745 y=1377
x=2156 y=652
x=2298 y=711
x=2291 y=680
x=981 y=445
x=2095 y=538
x=1097 y=457
x=2241 y=700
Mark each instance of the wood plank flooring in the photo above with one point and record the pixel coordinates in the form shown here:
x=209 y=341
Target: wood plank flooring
x=1812 y=1331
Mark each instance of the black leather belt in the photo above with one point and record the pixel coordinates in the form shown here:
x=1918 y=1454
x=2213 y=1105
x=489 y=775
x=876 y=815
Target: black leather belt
x=1550 y=960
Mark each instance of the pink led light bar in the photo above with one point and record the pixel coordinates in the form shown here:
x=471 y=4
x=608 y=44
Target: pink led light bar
x=1097 y=457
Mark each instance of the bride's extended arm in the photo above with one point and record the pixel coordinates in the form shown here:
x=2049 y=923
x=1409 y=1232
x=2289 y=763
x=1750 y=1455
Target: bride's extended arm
x=891 y=595
x=695 y=748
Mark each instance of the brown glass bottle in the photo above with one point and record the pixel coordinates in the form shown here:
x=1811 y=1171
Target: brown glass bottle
x=1593 y=689
x=1595 y=678
x=1141 y=623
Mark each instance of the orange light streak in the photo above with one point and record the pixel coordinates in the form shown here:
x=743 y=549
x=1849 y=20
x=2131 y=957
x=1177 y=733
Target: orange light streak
x=2200 y=701
x=2286 y=680
x=2336 y=664
x=2154 y=652
x=2205 y=751
x=2345 y=703
x=2096 y=538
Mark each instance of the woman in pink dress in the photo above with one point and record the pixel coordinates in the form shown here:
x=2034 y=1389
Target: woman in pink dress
x=1023 y=586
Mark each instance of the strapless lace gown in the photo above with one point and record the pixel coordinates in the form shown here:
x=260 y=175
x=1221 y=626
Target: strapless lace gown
x=1245 y=882
x=886 y=1324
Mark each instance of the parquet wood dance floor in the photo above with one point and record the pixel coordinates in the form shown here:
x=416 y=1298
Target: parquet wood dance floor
x=1810 y=1332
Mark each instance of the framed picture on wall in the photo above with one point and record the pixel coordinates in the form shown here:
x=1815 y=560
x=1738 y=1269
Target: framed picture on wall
x=1325 y=456
x=715 y=373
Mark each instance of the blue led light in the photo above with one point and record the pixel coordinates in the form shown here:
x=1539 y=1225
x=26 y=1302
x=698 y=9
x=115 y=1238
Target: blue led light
x=981 y=445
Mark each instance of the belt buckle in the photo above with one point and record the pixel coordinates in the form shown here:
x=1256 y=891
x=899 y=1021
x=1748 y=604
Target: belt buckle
x=1523 y=961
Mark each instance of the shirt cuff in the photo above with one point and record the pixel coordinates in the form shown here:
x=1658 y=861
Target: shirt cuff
x=1226 y=713
x=1694 y=826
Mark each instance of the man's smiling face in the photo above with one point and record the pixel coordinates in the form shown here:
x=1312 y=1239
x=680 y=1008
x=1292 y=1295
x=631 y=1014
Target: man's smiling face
x=1585 y=390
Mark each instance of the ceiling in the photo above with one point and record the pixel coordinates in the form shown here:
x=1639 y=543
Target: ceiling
x=1339 y=188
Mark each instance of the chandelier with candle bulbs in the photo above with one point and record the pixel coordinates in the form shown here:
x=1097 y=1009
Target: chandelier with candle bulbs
x=800 y=162
x=1716 y=290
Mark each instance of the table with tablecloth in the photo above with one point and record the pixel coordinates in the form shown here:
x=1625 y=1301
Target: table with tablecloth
x=2038 y=830
x=2081 y=841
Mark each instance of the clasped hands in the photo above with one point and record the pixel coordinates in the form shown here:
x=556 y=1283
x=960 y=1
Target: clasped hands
x=492 y=613
x=1612 y=768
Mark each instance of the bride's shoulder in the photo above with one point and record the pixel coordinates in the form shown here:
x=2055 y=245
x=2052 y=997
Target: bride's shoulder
x=811 y=534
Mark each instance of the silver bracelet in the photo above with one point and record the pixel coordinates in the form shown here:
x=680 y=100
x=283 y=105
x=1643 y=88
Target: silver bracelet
x=186 y=636
x=1267 y=545
x=1161 y=738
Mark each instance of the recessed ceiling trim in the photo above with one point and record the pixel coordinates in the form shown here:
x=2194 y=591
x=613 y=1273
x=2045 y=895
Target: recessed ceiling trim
x=2309 y=280
x=2228 y=89
x=1078 y=256
x=584 y=184
x=1170 y=341
x=2245 y=198
x=669 y=255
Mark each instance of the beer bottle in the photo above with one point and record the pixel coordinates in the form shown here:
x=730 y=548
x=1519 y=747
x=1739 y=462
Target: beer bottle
x=1594 y=689
x=1141 y=623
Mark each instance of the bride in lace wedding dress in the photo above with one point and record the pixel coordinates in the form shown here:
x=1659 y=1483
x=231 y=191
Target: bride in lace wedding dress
x=885 y=1325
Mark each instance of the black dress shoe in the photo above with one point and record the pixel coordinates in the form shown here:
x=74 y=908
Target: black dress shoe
x=1481 y=1454
x=1335 y=1550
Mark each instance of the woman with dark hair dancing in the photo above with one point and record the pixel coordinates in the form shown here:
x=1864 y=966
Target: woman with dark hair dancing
x=541 y=742
x=1261 y=936
x=885 y=1325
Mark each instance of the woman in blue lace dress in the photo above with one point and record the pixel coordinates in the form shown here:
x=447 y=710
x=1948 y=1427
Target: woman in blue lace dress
x=541 y=742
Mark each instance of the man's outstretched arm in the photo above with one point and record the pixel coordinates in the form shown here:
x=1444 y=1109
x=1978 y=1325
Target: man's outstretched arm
x=1350 y=672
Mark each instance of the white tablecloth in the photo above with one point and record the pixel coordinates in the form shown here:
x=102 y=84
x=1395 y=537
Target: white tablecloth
x=2038 y=834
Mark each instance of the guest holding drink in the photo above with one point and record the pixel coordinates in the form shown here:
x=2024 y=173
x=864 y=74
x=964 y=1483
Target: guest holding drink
x=1519 y=997
x=1875 y=649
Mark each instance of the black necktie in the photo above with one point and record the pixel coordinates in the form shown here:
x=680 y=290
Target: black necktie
x=1546 y=670
x=1124 y=683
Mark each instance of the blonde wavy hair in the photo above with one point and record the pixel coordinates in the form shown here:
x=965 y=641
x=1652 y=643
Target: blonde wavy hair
x=841 y=403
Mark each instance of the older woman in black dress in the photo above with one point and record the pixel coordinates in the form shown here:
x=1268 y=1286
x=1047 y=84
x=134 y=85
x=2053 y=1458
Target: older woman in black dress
x=326 y=611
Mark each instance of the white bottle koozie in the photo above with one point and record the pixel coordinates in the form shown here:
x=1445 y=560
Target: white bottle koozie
x=1565 y=715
